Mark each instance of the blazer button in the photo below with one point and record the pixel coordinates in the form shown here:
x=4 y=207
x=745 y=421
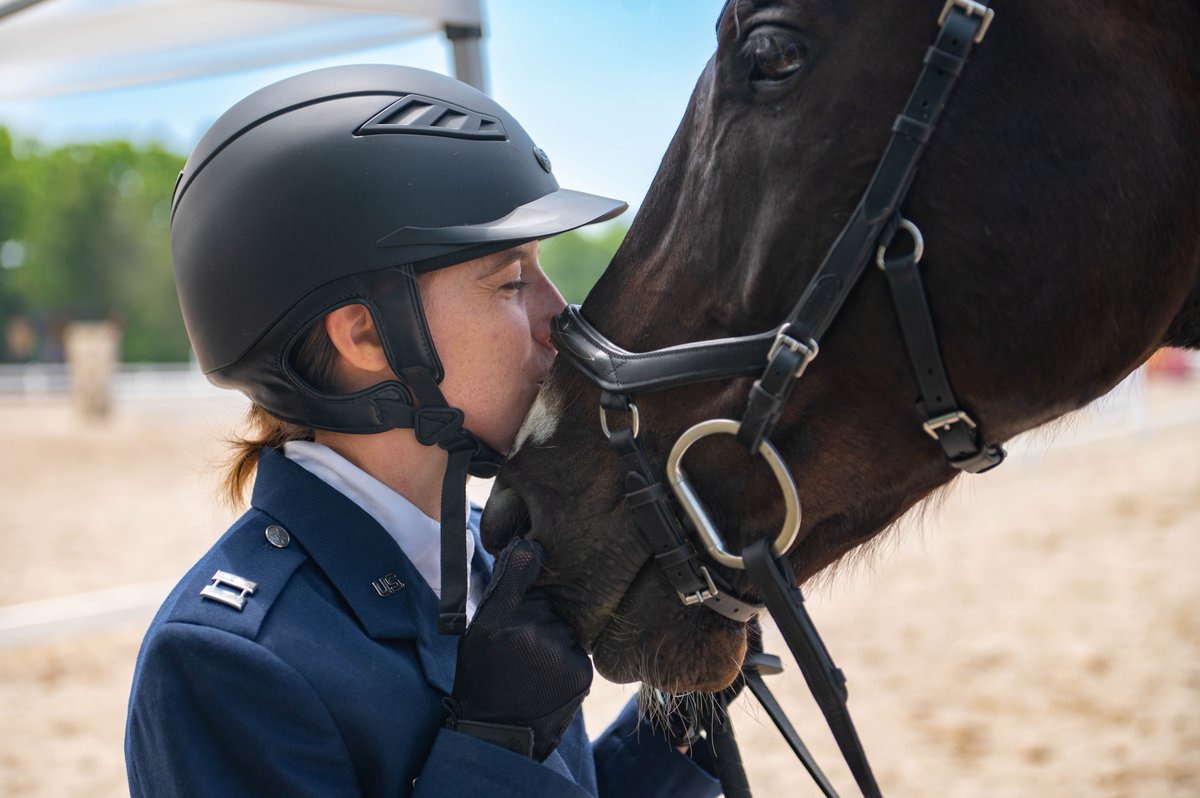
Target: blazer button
x=277 y=536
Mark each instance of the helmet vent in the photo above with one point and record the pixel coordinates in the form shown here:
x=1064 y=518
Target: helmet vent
x=427 y=116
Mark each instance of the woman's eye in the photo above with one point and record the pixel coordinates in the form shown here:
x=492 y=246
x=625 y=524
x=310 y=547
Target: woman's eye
x=515 y=285
x=774 y=56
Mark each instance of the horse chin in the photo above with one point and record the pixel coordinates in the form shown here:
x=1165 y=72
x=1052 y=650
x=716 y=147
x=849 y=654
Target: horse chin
x=631 y=621
x=679 y=650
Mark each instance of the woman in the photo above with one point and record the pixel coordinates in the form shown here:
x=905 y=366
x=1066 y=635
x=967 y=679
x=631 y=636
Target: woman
x=356 y=250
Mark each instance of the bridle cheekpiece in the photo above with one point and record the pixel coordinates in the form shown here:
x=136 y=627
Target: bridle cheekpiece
x=778 y=358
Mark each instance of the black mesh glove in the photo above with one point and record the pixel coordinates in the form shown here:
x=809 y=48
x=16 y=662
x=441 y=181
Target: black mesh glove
x=521 y=676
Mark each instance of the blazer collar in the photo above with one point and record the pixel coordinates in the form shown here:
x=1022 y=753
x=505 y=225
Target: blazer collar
x=356 y=554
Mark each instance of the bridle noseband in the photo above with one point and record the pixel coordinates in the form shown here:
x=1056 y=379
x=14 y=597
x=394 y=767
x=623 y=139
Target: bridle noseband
x=787 y=351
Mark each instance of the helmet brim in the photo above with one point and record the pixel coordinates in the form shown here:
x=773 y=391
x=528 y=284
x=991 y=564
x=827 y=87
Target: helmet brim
x=549 y=215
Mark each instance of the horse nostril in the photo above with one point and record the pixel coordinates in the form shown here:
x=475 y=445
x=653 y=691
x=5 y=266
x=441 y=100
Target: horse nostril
x=505 y=517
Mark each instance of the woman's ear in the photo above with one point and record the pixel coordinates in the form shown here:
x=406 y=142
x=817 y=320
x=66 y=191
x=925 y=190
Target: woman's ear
x=352 y=331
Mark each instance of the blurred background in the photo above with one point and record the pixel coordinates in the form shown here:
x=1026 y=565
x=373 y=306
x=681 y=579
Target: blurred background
x=102 y=100
x=1035 y=634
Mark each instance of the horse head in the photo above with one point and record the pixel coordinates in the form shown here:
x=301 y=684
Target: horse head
x=1060 y=205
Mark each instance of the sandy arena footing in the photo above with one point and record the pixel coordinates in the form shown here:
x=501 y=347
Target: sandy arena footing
x=1035 y=634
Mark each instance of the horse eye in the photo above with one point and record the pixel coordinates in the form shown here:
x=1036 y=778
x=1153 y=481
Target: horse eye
x=774 y=56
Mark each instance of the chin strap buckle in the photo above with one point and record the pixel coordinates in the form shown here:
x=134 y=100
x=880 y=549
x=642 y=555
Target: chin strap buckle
x=437 y=425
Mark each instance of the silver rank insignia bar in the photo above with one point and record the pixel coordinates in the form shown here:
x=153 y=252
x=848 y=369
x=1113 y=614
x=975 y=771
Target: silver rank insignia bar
x=217 y=592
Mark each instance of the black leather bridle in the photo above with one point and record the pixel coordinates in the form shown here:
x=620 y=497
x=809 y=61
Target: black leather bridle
x=787 y=350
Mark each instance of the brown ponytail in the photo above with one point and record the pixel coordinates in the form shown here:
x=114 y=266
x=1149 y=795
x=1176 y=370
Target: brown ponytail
x=262 y=430
x=315 y=360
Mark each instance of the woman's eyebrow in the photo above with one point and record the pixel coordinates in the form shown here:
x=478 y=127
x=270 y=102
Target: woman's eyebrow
x=498 y=262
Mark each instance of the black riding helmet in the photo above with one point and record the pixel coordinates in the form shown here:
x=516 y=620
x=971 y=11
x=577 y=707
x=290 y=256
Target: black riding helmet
x=338 y=186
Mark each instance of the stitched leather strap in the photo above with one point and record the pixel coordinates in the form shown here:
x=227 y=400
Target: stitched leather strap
x=452 y=610
x=944 y=418
x=765 y=697
x=437 y=424
x=676 y=558
x=620 y=371
x=769 y=395
x=853 y=248
x=825 y=681
x=727 y=758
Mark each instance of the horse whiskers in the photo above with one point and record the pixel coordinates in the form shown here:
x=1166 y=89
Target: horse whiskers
x=661 y=708
x=621 y=631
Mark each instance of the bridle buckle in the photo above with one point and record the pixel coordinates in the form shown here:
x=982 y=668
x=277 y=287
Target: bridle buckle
x=970 y=8
x=808 y=351
x=943 y=423
x=701 y=596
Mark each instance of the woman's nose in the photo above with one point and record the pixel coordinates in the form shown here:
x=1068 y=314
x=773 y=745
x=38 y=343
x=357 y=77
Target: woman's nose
x=549 y=303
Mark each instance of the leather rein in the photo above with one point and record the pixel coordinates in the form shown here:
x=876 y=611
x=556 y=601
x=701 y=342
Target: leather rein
x=786 y=351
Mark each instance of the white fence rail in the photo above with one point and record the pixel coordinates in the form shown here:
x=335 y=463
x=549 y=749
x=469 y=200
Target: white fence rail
x=131 y=380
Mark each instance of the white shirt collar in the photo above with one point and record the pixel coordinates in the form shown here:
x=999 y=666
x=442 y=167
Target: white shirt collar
x=417 y=535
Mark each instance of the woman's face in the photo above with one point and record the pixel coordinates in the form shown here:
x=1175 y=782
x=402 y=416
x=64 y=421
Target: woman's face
x=490 y=320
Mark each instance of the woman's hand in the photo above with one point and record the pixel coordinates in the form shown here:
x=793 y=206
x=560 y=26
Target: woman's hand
x=521 y=675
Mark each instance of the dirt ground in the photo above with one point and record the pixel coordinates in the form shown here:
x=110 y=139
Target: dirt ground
x=1036 y=634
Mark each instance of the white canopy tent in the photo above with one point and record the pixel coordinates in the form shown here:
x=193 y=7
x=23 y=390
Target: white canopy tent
x=50 y=47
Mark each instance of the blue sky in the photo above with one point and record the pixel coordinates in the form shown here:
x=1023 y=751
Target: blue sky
x=600 y=84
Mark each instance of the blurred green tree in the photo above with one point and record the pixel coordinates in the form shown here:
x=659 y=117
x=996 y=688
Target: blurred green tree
x=12 y=222
x=84 y=235
x=575 y=260
x=89 y=233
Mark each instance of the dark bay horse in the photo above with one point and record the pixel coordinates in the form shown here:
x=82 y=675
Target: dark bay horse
x=1060 y=205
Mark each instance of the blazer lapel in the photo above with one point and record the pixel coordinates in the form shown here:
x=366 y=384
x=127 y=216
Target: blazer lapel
x=386 y=593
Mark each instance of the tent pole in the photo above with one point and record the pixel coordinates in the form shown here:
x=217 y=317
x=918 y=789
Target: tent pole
x=467 y=44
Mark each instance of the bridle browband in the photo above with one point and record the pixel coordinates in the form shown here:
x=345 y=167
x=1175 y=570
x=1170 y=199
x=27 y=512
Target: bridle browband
x=787 y=350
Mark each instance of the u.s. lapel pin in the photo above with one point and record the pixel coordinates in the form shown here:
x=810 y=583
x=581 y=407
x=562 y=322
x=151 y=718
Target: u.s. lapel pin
x=218 y=592
x=387 y=585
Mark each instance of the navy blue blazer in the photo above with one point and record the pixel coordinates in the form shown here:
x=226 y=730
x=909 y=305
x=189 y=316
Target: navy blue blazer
x=328 y=680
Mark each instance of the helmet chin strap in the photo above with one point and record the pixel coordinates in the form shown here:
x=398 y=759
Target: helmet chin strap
x=438 y=424
x=416 y=402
